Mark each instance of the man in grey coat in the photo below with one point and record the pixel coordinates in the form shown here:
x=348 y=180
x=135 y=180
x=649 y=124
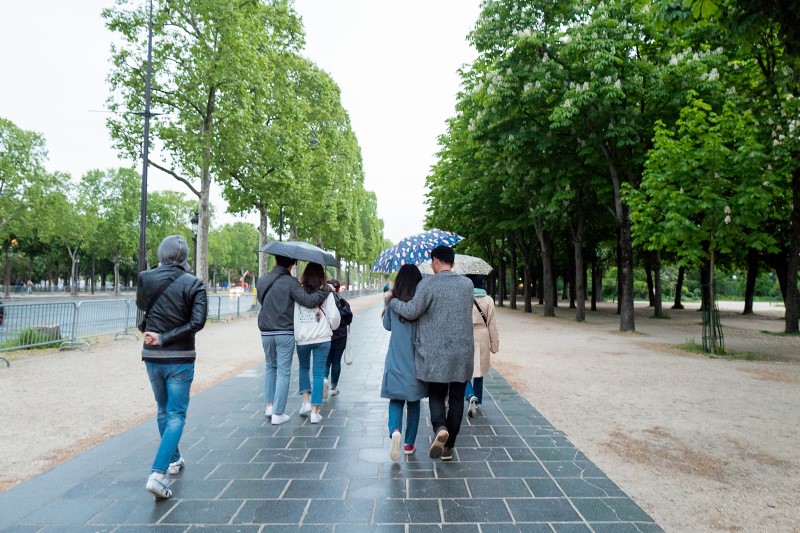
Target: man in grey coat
x=444 y=345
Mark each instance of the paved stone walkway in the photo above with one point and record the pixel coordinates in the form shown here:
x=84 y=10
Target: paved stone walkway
x=511 y=471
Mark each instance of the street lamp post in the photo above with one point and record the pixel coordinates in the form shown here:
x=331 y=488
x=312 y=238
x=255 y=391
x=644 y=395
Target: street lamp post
x=9 y=255
x=280 y=224
x=194 y=220
x=145 y=147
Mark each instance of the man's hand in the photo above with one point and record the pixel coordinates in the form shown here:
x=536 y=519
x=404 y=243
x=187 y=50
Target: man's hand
x=151 y=338
x=387 y=296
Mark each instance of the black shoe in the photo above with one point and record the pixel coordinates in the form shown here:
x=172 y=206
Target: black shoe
x=447 y=453
x=435 y=451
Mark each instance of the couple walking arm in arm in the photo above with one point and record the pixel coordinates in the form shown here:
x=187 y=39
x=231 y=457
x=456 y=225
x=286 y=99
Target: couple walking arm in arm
x=444 y=345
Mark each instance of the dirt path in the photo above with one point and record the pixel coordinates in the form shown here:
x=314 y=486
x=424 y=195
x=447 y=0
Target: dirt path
x=701 y=444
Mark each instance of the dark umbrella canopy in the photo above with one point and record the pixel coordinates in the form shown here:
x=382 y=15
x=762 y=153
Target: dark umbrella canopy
x=414 y=250
x=302 y=251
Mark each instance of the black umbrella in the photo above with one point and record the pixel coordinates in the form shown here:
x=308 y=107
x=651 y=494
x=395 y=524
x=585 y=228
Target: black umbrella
x=301 y=251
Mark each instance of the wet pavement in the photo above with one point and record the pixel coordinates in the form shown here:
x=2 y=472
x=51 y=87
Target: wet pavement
x=511 y=470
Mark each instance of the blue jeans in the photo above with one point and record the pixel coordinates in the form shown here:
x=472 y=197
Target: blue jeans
x=333 y=366
x=320 y=355
x=412 y=418
x=474 y=388
x=278 y=352
x=171 y=384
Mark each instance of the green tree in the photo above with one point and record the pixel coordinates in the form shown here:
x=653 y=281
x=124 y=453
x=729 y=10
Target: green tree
x=111 y=199
x=210 y=59
x=23 y=180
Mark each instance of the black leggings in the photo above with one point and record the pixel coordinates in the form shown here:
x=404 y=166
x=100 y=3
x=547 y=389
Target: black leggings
x=333 y=365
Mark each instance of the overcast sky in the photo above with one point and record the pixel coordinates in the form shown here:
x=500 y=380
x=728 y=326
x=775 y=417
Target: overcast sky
x=396 y=63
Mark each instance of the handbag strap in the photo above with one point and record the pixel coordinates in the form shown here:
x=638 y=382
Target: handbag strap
x=161 y=291
x=483 y=316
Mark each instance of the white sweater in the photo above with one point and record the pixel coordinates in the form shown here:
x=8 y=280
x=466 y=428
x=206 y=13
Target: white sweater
x=310 y=328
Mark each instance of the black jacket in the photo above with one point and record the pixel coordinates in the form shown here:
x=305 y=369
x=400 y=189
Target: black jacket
x=176 y=316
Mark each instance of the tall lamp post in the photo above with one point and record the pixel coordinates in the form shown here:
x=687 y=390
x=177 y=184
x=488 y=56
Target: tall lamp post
x=9 y=255
x=145 y=147
x=280 y=224
x=194 y=220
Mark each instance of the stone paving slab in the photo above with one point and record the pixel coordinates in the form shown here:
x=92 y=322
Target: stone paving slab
x=511 y=471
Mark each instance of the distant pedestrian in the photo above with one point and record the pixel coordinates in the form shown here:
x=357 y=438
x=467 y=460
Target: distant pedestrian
x=333 y=366
x=400 y=384
x=444 y=345
x=313 y=329
x=277 y=292
x=175 y=306
x=30 y=287
x=487 y=342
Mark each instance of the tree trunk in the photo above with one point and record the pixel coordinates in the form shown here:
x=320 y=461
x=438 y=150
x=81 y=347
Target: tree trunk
x=501 y=275
x=540 y=285
x=572 y=275
x=619 y=276
x=527 y=307
x=546 y=246
x=750 y=284
x=577 y=230
x=651 y=294
x=792 y=298
x=705 y=288
x=658 y=301
x=625 y=261
x=117 y=260
x=595 y=283
x=513 y=273
x=679 y=288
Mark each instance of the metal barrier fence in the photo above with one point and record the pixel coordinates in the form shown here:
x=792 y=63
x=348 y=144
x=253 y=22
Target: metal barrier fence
x=71 y=324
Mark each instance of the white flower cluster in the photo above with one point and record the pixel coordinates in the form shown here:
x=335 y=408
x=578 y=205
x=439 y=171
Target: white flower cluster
x=710 y=76
x=579 y=87
x=523 y=33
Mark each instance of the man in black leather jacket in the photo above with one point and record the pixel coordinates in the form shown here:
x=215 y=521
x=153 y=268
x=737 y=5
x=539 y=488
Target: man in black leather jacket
x=175 y=305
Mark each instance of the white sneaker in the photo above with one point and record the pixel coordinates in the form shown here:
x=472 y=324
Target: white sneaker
x=176 y=467
x=394 y=451
x=305 y=409
x=334 y=391
x=473 y=406
x=158 y=484
x=316 y=418
x=269 y=410
x=280 y=419
x=325 y=390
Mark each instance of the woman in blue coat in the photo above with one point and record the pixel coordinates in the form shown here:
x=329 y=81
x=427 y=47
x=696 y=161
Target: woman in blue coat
x=400 y=384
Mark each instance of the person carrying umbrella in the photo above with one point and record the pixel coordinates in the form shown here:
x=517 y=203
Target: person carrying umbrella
x=442 y=306
x=277 y=292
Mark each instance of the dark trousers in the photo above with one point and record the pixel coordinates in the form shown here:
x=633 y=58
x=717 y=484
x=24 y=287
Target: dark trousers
x=333 y=365
x=450 y=416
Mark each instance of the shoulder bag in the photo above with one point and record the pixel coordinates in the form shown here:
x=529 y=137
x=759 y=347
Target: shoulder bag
x=348 y=349
x=143 y=321
x=483 y=316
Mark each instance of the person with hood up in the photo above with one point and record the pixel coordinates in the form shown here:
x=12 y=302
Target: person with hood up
x=175 y=306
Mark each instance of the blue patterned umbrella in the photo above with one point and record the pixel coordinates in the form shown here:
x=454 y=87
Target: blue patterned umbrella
x=413 y=250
